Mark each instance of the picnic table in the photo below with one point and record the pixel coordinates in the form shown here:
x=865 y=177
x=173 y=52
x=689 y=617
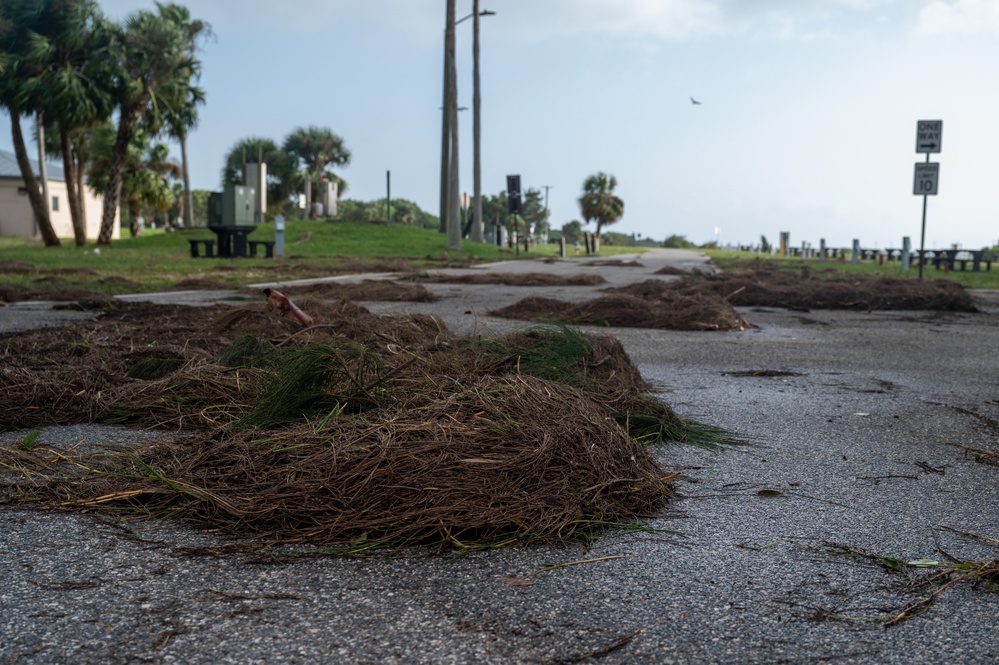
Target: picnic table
x=232 y=240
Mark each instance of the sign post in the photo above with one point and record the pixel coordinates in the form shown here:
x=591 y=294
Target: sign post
x=929 y=138
x=927 y=176
x=279 y=235
x=513 y=205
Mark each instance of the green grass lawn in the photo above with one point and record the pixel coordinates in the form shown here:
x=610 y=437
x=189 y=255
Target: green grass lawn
x=834 y=269
x=157 y=260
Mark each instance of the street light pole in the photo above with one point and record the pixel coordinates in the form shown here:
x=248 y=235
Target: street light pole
x=449 y=120
x=453 y=219
x=476 y=130
x=445 y=135
x=548 y=225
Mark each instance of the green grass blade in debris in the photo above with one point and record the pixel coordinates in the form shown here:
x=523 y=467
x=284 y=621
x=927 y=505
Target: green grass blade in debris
x=312 y=381
x=247 y=351
x=296 y=391
x=653 y=422
x=28 y=442
x=556 y=354
x=148 y=369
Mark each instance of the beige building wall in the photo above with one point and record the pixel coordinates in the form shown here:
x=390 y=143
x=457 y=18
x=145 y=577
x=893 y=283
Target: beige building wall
x=17 y=218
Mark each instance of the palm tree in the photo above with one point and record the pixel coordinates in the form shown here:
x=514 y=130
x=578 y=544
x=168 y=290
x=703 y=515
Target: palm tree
x=599 y=203
x=20 y=20
x=179 y=122
x=154 y=190
x=154 y=57
x=144 y=177
x=281 y=167
x=316 y=148
x=185 y=117
x=74 y=88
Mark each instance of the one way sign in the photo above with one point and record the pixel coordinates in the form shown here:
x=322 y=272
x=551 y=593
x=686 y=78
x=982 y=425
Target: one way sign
x=929 y=135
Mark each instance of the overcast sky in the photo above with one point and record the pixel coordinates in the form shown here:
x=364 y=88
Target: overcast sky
x=807 y=122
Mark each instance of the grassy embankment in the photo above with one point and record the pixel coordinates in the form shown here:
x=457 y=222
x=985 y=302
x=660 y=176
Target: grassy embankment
x=835 y=269
x=156 y=260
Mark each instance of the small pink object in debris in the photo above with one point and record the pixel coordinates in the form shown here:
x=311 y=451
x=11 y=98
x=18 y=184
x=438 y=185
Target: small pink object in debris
x=280 y=302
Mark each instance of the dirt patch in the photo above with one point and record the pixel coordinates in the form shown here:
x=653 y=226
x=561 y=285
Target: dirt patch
x=345 y=265
x=372 y=290
x=17 y=268
x=670 y=270
x=512 y=279
x=116 y=281
x=50 y=279
x=350 y=266
x=198 y=284
x=14 y=293
x=671 y=311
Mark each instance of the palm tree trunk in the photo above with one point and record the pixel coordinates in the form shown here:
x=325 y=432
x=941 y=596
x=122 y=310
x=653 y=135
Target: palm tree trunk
x=309 y=207
x=133 y=222
x=34 y=194
x=188 y=202
x=78 y=161
x=43 y=175
x=69 y=166
x=112 y=193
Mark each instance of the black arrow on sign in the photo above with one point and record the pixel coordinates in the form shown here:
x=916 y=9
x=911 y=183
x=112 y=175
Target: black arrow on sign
x=928 y=145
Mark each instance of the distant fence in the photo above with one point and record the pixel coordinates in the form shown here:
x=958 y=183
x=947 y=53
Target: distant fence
x=941 y=259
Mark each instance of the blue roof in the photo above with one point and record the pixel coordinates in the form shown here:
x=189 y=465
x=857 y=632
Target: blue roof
x=10 y=169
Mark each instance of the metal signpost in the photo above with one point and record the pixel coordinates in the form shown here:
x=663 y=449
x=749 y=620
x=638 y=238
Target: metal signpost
x=929 y=138
x=513 y=204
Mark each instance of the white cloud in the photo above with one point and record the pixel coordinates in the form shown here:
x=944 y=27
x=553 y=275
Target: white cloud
x=533 y=20
x=528 y=20
x=805 y=19
x=304 y=16
x=667 y=19
x=958 y=17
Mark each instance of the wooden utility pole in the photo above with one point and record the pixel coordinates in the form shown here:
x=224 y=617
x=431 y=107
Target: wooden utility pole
x=446 y=124
x=453 y=220
x=476 y=129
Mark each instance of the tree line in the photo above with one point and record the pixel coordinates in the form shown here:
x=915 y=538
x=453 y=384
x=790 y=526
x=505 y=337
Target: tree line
x=533 y=217
x=307 y=155
x=71 y=68
x=67 y=66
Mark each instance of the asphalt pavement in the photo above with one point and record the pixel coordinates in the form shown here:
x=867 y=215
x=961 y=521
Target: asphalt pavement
x=859 y=445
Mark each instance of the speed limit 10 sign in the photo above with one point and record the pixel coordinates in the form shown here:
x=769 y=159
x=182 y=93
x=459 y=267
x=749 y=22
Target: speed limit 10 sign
x=927 y=175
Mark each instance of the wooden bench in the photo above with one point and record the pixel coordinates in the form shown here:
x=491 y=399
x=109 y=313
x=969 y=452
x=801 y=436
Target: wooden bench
x=209 y=248
x=268 y=246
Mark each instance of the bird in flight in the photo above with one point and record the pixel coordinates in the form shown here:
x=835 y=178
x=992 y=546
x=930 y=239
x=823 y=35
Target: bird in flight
x=694 y=101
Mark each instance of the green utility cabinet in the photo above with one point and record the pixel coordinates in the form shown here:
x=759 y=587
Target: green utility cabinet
x=232 y=207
